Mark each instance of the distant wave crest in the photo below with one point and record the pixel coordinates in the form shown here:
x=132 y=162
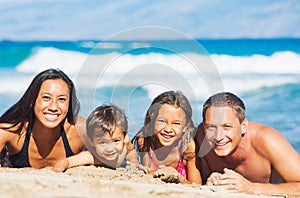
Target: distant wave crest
x=238 y=73
x=286 y=62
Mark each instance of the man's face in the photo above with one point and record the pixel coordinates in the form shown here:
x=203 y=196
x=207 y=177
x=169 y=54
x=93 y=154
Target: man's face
x=223 y=129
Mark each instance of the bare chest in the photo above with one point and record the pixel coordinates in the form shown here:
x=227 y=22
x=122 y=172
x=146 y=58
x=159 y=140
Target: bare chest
x=254 y=168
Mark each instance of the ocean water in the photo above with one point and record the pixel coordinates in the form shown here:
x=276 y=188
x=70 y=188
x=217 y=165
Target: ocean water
x=265 y=73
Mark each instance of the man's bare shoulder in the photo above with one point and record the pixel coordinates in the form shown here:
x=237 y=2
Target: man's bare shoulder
x=259 y=132
x=265 y=139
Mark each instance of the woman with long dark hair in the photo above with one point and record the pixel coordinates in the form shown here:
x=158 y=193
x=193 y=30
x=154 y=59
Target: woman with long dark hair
x=43 y=127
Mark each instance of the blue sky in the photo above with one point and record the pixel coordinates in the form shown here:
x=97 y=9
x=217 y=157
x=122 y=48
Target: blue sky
x=100 y=19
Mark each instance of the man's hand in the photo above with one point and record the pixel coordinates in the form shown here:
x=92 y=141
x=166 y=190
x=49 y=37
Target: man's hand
x=231 y=180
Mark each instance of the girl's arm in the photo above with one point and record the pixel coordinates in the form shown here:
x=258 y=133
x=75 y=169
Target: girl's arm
x=194 y=175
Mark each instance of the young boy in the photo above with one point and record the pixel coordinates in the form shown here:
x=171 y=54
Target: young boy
x=110 y=146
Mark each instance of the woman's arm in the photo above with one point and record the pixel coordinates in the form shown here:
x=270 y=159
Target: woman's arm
x=80 y=159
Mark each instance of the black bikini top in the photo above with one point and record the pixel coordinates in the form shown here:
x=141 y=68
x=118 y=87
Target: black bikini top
x=20 y=160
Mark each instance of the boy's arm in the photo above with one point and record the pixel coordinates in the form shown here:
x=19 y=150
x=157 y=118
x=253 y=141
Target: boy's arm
x=131 y=152
x=80 y=159
x=131 y=156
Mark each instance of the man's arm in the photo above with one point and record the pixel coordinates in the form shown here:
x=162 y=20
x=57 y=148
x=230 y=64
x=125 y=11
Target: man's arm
x=282 y=158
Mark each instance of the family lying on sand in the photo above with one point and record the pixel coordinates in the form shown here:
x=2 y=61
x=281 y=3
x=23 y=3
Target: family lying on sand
x=43 y=129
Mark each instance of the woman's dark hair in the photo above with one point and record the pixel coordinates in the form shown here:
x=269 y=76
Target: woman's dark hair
x=22 y=112
x=146 y=134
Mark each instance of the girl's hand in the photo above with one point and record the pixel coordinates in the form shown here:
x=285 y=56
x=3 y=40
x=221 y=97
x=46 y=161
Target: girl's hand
x=169 y=175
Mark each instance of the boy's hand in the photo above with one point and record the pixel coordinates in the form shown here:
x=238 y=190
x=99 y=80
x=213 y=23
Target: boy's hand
x=138 y=166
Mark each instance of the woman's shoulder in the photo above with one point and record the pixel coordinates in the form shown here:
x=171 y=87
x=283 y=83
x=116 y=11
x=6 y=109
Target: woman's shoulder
x=79 y=125
x=76 y=134
x=13 y=129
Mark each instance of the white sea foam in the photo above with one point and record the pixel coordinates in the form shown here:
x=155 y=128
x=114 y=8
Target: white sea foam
x=49 y=57
x=236 y=73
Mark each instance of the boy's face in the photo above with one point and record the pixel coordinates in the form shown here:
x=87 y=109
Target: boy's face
x=109 y=147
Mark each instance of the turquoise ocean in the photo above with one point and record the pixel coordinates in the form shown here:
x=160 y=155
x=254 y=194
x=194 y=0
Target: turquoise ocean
x=265 y=73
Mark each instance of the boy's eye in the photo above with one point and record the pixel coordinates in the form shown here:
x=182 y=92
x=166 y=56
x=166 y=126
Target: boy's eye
x=117 y=140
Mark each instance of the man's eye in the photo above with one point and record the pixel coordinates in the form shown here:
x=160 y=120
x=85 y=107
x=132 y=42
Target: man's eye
x=210 y=127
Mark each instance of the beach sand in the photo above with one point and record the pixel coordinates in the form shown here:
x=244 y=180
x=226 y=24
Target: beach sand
x=90 y=181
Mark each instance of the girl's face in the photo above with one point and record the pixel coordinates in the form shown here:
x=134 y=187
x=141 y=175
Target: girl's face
x=52 y=102
x=169 y=124
x=109 y=147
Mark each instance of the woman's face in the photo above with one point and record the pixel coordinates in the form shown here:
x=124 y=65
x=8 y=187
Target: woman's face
x=52 y=102
x=169 y=124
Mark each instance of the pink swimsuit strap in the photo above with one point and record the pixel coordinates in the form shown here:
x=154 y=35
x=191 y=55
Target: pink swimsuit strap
x=181 y=169
x=152 y=159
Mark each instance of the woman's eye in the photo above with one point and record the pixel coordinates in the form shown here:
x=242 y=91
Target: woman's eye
x=46 y=97
x=62 y=99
